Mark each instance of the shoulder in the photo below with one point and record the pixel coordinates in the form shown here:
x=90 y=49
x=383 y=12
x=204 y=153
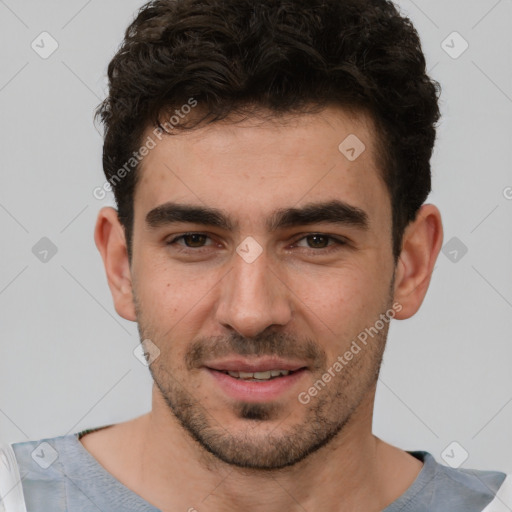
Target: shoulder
x=41 y=470
x=441 y=487
x=37 y=473
x=44 y=457
x=26 y=471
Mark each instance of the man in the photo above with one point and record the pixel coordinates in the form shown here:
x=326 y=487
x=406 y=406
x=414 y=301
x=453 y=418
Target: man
x=270 y=162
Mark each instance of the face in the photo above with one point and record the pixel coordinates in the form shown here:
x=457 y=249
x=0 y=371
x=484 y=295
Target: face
x=260 y=246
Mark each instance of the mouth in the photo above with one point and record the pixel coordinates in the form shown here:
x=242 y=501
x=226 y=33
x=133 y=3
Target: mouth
x=258 y=386
x=262 y=376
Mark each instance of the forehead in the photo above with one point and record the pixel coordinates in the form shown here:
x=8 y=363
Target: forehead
x=253 y=167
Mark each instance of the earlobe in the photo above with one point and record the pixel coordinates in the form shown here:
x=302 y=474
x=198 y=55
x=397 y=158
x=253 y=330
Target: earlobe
x=421 y=244
x=111 y=243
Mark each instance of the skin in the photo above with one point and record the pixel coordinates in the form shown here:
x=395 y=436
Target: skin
x=303 y=297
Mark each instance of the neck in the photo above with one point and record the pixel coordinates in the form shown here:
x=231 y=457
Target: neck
x=354 y=471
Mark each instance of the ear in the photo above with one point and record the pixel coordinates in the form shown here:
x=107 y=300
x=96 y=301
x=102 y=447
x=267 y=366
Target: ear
x=110 y=241
x=421 y=244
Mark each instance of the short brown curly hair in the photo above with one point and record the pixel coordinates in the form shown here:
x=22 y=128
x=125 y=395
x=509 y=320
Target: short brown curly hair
x=281 y=56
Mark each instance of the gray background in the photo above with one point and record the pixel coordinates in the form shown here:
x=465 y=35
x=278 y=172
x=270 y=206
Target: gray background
x=67 y=359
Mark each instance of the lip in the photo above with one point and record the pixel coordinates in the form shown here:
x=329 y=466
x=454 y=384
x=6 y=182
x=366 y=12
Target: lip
x=261 y=365
x=251 y=391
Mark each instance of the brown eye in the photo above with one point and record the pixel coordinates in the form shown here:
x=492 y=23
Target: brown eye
x=194 y=240
x=318 y=241
x=190 y=240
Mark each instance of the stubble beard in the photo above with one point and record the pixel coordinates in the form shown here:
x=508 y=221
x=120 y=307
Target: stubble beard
x=265 y=441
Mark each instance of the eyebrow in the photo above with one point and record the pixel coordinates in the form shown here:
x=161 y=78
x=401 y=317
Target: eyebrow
x=332 y=212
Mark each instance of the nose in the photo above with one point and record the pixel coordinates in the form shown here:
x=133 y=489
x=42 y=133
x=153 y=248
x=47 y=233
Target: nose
x=253 y=297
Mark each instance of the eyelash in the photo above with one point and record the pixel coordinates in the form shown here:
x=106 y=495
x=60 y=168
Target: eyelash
x=338 y=242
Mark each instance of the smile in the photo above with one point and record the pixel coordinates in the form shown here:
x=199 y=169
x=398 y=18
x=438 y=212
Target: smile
x=261 y=376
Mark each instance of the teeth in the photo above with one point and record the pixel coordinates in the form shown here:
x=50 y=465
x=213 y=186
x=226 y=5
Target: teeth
x=261 y=375
x=246 y=375
x=270 y=374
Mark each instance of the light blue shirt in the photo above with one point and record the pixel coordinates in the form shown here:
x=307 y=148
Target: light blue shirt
x=60 y=475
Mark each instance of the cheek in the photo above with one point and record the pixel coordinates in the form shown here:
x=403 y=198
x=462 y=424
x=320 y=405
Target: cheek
x=336 y=287
x=155 y=288
x=340 y=302
x=168 y=296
